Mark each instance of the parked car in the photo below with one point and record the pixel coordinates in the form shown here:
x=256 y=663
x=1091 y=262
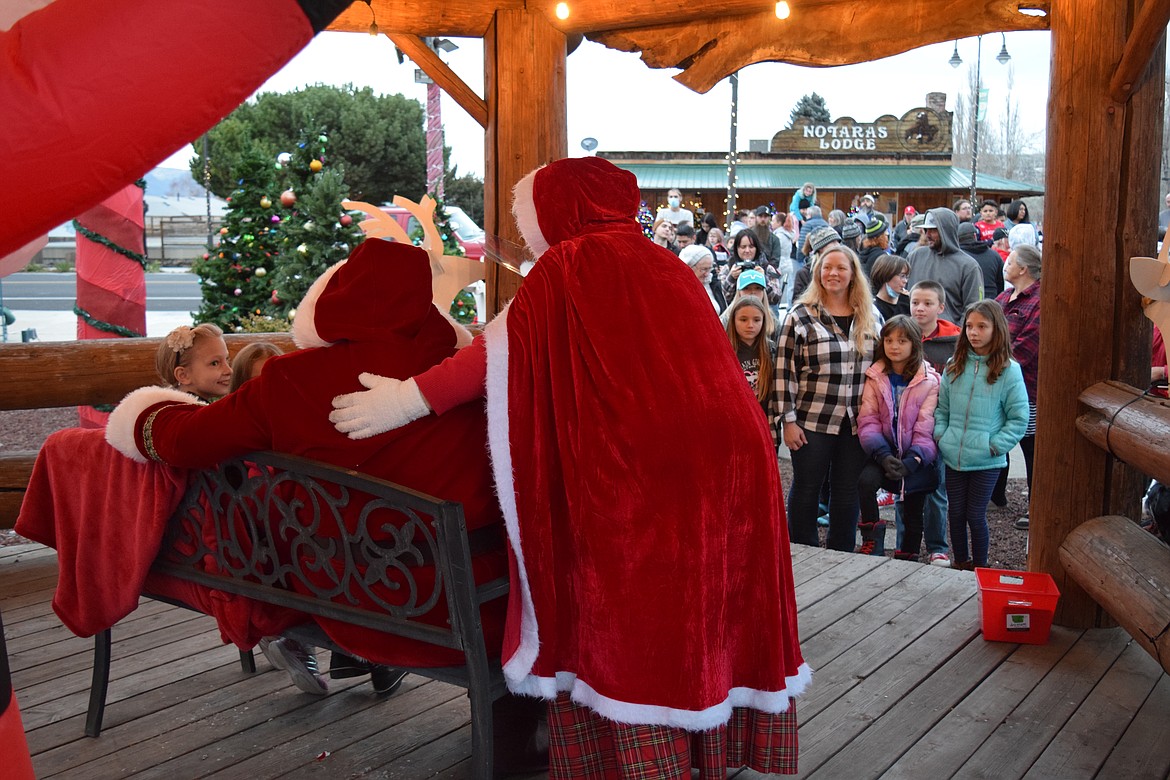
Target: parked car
x=469 y=235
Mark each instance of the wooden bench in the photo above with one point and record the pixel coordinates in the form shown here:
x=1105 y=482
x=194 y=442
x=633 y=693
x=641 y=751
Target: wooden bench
x=264 y=513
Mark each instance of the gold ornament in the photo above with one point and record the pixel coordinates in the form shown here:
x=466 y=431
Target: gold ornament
x=315 y=166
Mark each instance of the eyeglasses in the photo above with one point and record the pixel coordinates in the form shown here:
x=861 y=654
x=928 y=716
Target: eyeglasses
x=905 y=275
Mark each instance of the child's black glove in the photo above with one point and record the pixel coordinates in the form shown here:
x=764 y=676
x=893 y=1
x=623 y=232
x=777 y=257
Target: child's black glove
x=892 y=468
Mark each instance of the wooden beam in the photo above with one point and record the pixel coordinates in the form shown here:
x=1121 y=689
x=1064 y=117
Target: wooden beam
x=1123 y=423
x=1143 y=38
x=425 y=57
x=524 y=67
x=1084 y=288
x=710 y=49
x=466 y=18
x=1124 y=569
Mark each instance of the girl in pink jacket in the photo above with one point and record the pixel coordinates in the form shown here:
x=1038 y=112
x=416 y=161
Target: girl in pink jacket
x=896 y=427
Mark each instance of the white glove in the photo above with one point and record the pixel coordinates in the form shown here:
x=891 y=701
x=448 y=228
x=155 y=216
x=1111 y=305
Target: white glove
x=388 y=404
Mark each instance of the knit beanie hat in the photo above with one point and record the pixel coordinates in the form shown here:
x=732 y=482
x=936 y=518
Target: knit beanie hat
x=877 y=226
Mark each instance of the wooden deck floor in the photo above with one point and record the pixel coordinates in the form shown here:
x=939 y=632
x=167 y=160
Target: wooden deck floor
x=905 y=687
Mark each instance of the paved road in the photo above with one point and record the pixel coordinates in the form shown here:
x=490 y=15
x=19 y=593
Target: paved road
x=58 y=291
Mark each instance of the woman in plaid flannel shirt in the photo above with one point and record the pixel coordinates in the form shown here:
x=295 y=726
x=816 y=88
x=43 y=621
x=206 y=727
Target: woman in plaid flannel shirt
x=826 y=344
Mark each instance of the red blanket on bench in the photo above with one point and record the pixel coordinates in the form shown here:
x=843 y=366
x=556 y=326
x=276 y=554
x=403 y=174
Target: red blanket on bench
x=105 y=515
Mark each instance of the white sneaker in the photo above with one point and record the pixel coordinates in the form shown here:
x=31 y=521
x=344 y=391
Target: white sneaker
x=940 y=559
x=298 y=661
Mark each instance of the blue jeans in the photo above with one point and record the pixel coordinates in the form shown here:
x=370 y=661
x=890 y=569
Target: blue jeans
x=934 y=516
x=839 y=455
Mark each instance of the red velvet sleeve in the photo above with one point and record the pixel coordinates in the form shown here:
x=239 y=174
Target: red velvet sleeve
x=198 y=437
x=457 y=380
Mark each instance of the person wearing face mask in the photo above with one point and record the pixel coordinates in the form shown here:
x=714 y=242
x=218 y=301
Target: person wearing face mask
x=674 y=211
x=888 y=279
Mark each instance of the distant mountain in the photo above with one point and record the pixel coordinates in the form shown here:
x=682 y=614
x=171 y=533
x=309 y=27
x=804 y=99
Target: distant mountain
x=172 y=182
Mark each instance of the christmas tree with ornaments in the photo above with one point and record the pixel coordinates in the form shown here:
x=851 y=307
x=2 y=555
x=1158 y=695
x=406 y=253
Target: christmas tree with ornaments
x=316 y=232
x=233 y=274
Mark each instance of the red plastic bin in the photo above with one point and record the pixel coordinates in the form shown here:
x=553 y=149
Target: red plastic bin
x=1016 y=606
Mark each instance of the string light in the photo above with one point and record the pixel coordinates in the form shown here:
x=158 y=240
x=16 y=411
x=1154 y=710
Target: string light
x=782 y=10
x=562 y=11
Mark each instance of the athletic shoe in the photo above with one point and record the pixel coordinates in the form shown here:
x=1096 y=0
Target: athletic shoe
x=823 y=521
x=342 y=666
x=866 y=547
x=1022 y=524
x=884 y=498
x=300 y=664
x=940 y=559
x=385 y=679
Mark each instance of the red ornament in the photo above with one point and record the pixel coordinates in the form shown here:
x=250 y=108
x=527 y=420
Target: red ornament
x=288 y=198
x=346 y=220
x=275 y=298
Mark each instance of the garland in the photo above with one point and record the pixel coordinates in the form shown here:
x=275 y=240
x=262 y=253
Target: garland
x=106 y=326
x=98 y=238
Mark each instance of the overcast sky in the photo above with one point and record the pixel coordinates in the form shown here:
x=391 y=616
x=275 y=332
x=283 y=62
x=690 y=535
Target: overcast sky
x=626 y=106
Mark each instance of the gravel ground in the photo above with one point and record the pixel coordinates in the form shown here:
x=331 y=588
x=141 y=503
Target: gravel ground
x=1008 y=546
x=25 y=430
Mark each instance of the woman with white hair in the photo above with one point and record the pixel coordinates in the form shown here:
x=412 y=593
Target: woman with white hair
x=700 y=260
x=1021 y=306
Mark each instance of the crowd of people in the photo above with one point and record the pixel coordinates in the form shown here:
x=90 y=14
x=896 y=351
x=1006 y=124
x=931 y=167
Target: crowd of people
x=896 y=363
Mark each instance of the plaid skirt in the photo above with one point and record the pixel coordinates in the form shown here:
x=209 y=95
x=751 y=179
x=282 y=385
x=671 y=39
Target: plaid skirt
x=585 y=746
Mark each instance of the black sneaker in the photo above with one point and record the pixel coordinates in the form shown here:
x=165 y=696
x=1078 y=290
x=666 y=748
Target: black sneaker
x=342 y=666
x=386 y=679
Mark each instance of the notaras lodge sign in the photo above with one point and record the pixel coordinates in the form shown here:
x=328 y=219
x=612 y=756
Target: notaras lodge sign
x=920 y=131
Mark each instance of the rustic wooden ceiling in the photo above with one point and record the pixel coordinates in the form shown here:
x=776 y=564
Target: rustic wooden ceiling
x=709 y=44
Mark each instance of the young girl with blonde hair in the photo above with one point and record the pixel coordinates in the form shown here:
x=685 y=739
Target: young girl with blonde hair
x=250 y=360
x=195 y=360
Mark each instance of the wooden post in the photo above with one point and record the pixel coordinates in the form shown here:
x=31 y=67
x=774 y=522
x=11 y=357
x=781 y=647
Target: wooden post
x=524 y=85
x=1092 y=326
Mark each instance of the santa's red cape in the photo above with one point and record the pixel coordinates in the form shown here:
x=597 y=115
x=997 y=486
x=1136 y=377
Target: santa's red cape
x=637 y=477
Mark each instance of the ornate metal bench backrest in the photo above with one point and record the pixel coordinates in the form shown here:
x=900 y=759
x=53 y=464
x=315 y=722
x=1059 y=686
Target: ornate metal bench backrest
x=327 y=541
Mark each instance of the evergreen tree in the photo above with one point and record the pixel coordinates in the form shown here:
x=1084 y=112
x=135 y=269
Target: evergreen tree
x=233 y=274
x=811 y=107
x=316 y=232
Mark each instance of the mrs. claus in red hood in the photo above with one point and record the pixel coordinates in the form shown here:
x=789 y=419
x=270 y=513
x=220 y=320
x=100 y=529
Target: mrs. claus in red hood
x=640 y=492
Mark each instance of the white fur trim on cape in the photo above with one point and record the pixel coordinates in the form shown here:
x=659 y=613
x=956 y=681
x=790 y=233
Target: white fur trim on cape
x=518 y=668
x=304 y=327
x=123 y=420
x=524 y=210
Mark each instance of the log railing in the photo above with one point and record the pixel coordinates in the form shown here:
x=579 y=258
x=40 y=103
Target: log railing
x=1123 y=568
x=77 y=373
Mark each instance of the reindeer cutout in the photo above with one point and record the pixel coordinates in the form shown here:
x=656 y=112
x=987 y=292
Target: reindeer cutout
x=1151 y=277
x=449 y=274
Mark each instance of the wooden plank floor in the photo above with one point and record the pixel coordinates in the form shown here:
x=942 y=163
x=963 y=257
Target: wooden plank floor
x=905 y=687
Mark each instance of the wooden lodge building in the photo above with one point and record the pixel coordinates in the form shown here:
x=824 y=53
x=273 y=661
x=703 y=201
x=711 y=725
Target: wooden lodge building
x=901 y=161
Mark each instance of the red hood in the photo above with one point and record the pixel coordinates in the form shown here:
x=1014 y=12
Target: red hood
x=945 y=328
x=572 y=197
x=383 y=288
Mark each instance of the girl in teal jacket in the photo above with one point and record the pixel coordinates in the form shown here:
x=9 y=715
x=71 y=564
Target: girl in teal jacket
x=982 y=413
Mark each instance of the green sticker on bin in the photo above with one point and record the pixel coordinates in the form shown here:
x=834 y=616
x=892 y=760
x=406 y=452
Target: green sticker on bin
x=1019 y=622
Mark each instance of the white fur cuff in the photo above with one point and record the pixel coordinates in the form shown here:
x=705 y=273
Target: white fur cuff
x=123 y=421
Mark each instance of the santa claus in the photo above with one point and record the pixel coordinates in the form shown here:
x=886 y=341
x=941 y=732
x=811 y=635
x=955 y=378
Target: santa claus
x=653 y=591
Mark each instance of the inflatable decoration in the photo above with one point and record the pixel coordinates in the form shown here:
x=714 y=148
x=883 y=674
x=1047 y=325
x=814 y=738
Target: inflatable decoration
x=80 y=124
x=111 y=276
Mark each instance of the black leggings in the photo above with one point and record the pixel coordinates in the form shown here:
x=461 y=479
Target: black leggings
x=868 y=483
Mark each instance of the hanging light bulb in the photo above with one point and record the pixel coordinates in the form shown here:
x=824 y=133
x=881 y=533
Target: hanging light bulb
x=955 y=59
x=562 y=11
x=782 y=10
x=1003 y=57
